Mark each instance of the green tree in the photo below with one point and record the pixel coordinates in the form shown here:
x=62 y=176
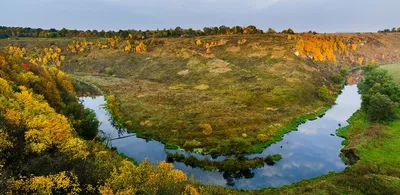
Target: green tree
x=381 y=107
x=337 y=78
x=270 y=30
x=88 y=126
x=63 y=32
x=288 y=31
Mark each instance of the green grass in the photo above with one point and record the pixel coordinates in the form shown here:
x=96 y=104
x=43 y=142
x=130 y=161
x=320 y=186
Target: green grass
x=384 y=151
x=377 y=171
x=288 y=128
x=394 y=70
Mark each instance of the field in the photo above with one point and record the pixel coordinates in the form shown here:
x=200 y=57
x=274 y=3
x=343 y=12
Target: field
x=394 y=70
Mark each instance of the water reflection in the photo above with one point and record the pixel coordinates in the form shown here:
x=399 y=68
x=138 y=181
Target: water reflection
x=309 y=152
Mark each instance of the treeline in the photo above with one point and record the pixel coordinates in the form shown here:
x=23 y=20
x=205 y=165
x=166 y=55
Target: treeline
x=6 y=32
x=380 y=94
x=394 y=29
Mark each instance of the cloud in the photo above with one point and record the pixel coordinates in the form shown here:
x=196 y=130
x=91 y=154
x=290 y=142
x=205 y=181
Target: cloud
x=262 y=4
x=300 y=15
x=308 y=131
x=199 y=5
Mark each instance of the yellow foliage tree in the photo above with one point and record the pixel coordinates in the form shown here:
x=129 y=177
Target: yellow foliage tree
x=198 y=42
x=128 y=179
x=353 y=46
x=360 y=60
x=5 y=141
x=45 y=128
x=140 y=48
x=320 y=48
x=61 y=183
x=128 y=46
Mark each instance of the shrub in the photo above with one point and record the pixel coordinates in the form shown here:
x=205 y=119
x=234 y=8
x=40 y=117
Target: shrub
x=262 y=137
x=109 y=71
x=192 y=144
x=323 y=93
x=207 y=129
x=235 y=146
x=337 y=78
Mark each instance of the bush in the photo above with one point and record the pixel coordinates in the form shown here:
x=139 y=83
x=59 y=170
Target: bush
x=191 y=144
x=380 y=107
x=234 y=146
x=109 y=71
x=337 y=78
x=323 y=93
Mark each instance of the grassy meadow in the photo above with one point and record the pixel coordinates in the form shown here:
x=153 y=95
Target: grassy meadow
x=394 y=70
x=241 y=94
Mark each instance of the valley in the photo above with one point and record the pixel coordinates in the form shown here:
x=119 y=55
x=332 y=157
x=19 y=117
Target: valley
x=279 y=113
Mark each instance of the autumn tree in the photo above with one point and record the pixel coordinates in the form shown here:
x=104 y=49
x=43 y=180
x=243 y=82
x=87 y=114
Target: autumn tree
x=288 y=31
x=270 y=30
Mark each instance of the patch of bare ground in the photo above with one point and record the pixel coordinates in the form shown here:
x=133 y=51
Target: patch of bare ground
x=218 y=66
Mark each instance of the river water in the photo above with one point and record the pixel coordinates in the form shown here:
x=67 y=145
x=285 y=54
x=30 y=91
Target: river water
x=311 y=151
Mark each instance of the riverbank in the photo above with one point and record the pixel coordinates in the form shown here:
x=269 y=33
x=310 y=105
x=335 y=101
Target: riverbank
x=250 y=147
x=372 y=147
x=313 y=154
x=376 y=172
x=214 y=101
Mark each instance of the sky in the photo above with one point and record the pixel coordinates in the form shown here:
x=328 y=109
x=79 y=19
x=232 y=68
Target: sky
x=300 y=15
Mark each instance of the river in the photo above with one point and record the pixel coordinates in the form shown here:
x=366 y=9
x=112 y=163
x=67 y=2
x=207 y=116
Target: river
x=311 y=151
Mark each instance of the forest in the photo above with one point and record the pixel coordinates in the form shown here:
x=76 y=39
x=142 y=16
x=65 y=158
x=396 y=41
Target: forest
x=137 y=34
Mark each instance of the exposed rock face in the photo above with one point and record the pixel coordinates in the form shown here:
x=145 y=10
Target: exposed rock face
x=354 y=77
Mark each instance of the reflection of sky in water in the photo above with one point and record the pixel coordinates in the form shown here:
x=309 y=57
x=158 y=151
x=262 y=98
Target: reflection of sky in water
x=309 y=152
x=96 y=104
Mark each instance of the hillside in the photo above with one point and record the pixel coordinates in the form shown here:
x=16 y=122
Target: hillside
x=218 y=92
x=243 y=89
